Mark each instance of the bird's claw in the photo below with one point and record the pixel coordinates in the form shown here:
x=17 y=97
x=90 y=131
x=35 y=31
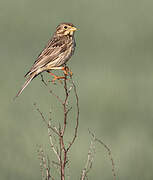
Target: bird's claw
x=67 y=71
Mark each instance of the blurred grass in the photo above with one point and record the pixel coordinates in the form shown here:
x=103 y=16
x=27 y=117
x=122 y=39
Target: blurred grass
x=112 y=67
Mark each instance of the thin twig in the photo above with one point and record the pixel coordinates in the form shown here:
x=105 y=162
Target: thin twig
x=65 y=104
x=41 y=164
x=89 y=161
x=77 y=116
x=61 y=151
x=51 y=143
x=43 y=118
x=44 y=164
x=109 y=153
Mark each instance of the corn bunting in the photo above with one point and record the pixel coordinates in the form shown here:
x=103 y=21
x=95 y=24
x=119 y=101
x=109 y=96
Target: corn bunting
x=55 y=55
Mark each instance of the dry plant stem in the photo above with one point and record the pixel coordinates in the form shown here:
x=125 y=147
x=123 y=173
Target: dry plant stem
x=40 y=156
x=65 y=104
x=43 y=118
x=109 y=153
x=62 y=164
x=51 y=142
x=62 y=151
x=111 y=158
x=77 y=116
x=65 y=150
x=44 y=164
x=89 y=162
x=91 y=154
x=47 y=169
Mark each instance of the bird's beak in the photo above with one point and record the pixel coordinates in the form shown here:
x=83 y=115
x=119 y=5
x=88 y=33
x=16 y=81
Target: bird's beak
x=73 y=29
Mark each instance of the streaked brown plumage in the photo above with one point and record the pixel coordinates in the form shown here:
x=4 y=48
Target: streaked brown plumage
x=56 y=53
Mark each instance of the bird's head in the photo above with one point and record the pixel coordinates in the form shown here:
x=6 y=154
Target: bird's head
x=65 y=29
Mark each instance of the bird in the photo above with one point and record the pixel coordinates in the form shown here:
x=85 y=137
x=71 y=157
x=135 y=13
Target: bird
x=55 y=55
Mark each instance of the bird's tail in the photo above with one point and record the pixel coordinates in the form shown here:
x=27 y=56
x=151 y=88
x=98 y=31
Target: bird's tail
x=29 y=79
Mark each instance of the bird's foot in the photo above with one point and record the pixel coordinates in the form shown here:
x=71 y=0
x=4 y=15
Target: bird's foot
x=57 y=77
x=67 y=71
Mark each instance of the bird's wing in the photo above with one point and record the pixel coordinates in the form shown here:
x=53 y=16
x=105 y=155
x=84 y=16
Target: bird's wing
x=49 y=54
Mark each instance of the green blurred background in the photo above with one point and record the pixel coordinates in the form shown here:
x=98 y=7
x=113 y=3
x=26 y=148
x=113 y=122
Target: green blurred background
x=113 y=70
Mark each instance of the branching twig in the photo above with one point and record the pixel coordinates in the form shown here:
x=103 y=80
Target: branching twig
x=91 y=153
x=89 y=161
x=61 y=152
x=109 y=153
x=51 y=142
x=65 y=104
x=56 y=133
x=77 y=116
x=43 y=118
x=44 y=164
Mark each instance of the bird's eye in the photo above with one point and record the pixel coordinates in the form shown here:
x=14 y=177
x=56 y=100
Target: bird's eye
x=65 y=27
